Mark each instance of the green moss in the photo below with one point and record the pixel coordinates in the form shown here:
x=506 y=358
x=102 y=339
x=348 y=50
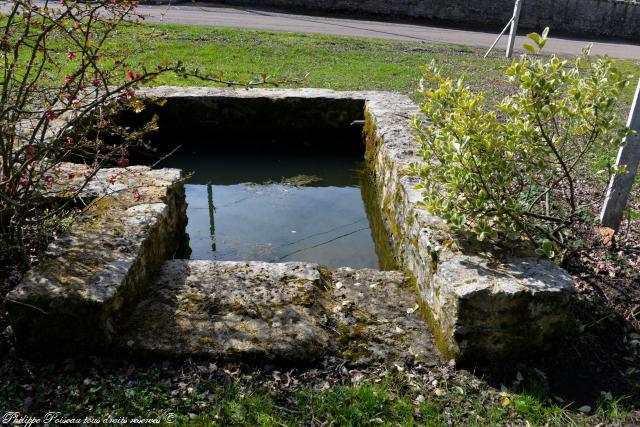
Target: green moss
x=104 y=205
x=237 y=308
x=307 y=299
x=442 y=338
x=369 y=132
x=353 y=342
x=326 y=278
x=244 y=326
x=381 y=237
x=307 y=295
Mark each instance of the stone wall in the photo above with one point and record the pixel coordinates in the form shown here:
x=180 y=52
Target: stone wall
x=92 y=277
x=591 y=17
x=479 y=307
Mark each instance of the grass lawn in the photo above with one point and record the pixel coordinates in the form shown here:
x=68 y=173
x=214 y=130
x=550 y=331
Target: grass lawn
x=200 y=393
x=338 y=63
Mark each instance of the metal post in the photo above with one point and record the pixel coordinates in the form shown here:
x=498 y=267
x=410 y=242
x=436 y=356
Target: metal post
x=514 y=27
x=498 y=38
x=629 y=157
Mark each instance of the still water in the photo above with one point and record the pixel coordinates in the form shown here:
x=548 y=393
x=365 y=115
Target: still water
x=279 y=208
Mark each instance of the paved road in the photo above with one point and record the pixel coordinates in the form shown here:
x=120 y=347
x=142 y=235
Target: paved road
x=252 y=18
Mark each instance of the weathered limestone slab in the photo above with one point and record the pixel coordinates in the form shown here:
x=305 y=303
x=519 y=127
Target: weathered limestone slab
x=480 y=308
x=89 y=278
x=233 y=309
x=278 y=312
x=377 y=318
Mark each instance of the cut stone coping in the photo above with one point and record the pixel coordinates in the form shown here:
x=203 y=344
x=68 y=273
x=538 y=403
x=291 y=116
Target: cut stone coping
x=89 y=278
x=229 y=309
x=291 y=312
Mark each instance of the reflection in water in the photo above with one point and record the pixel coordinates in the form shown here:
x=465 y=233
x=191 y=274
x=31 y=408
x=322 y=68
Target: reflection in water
x=280 y=208
x=212 y=209
x=379 y=233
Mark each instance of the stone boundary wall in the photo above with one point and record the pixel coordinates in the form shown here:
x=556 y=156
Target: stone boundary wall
x=589 y=17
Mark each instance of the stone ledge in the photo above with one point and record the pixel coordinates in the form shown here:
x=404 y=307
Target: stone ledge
x=289 y=312
x=232 y=310
x=89 y=278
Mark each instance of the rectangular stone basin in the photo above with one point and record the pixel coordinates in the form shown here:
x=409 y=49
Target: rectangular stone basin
x=478 y=308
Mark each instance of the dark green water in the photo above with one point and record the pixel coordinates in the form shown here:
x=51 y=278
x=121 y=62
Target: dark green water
x=282 y=207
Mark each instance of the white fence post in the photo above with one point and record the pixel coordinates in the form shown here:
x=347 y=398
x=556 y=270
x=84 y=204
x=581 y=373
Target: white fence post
x=514 y=27
x=620 y=185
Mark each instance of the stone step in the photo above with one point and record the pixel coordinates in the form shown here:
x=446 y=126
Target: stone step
x=278 y=312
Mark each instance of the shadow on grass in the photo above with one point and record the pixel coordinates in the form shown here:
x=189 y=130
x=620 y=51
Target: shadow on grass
x=595 y=368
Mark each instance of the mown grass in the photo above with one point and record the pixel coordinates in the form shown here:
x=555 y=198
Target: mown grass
x=338 y=63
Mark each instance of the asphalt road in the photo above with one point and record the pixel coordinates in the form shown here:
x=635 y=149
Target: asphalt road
x=253 y=18
x=262 y=19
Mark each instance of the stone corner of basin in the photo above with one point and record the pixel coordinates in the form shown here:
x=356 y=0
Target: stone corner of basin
x=497 y=310
x=478 y=309
x=90 y=275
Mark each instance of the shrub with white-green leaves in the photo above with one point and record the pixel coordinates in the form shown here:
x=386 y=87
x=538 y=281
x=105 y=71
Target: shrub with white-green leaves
x=513 y=171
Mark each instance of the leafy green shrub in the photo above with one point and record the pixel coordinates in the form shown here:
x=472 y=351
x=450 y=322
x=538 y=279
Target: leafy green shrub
x=518 y=170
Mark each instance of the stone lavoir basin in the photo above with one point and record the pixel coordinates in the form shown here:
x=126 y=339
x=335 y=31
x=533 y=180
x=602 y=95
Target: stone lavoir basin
x=279 y=229
x=278 y=206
